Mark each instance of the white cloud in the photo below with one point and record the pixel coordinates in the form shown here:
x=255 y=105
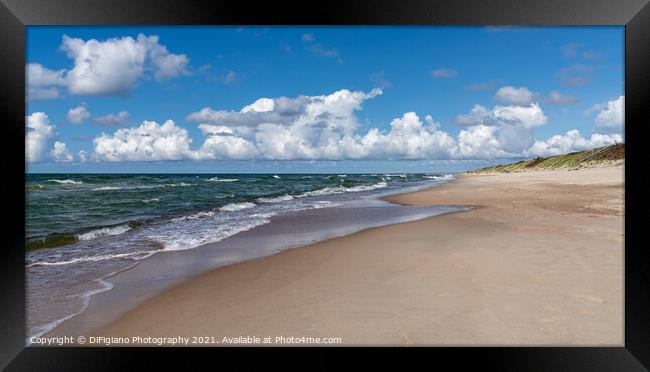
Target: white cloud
x=308 y=37
x=78 y=114
x=60 y=152
x=326 y=128
x=261 y=105
x=526 y=116
x=408 y=138
x=556 y=98
x=501 y=131
x=149 y=141
x=594 y=108
x=39 y=133
x=444 y=73
x=613 y=115
x=112 y=119
x=110 y=67
x=514 y=96
x=43 y=83
x=480 y=142
x=167 y=65
x=571 y=141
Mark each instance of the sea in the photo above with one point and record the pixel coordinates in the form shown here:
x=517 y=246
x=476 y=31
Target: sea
x=85 y=230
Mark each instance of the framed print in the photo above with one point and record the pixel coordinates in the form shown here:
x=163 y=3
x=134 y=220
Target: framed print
x=459 y=178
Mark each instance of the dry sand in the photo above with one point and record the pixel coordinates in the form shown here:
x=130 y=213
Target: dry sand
x=539 y=261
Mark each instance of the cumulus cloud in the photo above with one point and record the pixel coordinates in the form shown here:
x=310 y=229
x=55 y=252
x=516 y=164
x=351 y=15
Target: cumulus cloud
x=112 y=119
x=556 y=98
x=514 y=96
x=149 y=141
x=444 y=73
x=110 y=67
x=43 y=83
x=527 y=116
x=40 y=132
x=571 y=141
x=326 y=127
x=115 y=65
x=480 y=142
x=501 y=131
x=612 y=116
x=60 y=152
x=78 y=114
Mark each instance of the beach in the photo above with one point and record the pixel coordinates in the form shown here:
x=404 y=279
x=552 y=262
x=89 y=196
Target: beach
x=538 y=260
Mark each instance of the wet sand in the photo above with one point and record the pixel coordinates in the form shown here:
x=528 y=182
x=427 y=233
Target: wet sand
x=538 y=261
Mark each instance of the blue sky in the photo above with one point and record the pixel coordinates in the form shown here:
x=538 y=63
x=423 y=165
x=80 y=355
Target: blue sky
x=526 y=85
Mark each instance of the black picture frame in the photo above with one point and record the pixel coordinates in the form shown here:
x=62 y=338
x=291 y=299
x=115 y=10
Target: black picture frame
x=15 y=15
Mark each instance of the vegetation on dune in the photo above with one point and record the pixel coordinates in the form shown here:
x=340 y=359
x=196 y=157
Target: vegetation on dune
x=600 y=156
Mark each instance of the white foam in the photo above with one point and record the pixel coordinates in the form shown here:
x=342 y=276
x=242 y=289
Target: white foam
x=178 y=242
x=264 y=215
x=104 y=231
x=217 y=179
x=236 y=207
x=152 y=200
x=180 y=184
x=106 y=188
x=195 y=216
x=277 y=199
x=102 y=257
x=276 y=176
x=66 y=182
x=443 y=177
x=43 y=329
x=341 y=189
x=324 y=204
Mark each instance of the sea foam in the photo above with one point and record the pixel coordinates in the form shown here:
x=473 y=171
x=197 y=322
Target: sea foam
x=66 y=182
x=236 y=207
x=104 y=231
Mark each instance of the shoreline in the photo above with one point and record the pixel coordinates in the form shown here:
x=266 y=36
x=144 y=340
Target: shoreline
x=537 y=261
x=146 y=278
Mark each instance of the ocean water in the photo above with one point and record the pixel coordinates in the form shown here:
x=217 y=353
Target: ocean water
x=84 y=228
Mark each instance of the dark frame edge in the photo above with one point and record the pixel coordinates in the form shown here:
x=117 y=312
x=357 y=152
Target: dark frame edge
x=637 y=272
x=13 y=18
x=12 y=106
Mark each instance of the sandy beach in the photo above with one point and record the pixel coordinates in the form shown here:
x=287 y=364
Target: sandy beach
x=537 y=261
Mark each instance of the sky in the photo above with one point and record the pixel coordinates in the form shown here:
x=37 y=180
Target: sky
x=216 y=99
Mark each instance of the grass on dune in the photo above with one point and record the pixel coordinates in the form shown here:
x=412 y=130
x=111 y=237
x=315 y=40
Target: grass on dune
x=582 y=159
